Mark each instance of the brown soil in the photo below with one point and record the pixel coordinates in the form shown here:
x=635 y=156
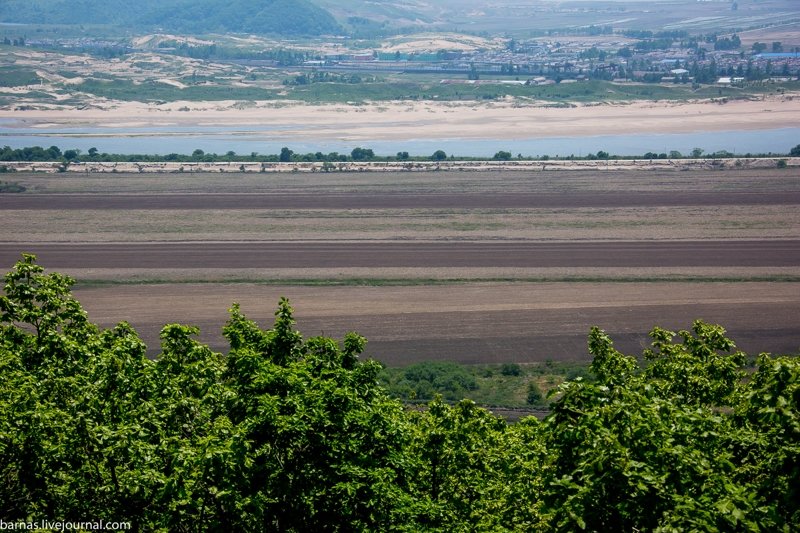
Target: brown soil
x=522 y=322
x=290 y=255
x=516 y=226
x=356 y=200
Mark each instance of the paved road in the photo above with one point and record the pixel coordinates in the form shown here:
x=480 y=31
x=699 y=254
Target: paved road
x=393 y=201
x=777 y=253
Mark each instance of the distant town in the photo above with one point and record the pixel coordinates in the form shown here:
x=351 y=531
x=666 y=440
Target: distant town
x=672 y=57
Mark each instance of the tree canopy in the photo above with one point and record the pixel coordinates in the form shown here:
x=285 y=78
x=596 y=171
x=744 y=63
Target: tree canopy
x=285 y=433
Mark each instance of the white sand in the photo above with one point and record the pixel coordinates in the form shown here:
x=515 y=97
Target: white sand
x=404 y=120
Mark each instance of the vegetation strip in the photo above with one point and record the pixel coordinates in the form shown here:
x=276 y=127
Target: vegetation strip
x=287 y=433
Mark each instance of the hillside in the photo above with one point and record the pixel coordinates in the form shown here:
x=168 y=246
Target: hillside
x=285 y=17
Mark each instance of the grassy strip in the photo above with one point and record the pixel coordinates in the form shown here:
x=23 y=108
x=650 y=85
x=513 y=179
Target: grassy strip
x=152 y=90
x=507 y=385
x=414 y=282
x=591 y=91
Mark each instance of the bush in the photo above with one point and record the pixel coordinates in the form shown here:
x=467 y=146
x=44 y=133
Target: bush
x=534 y=394
x=511 y=369
x=430 y=378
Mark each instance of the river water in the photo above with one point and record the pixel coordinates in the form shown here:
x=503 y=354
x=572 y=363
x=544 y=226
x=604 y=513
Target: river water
x=269 y=140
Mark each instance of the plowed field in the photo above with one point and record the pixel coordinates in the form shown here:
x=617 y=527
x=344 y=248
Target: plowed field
x=465 y=267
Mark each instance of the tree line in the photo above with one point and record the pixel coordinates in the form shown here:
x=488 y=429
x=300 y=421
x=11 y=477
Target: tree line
x=287 y=155
x=286 y=433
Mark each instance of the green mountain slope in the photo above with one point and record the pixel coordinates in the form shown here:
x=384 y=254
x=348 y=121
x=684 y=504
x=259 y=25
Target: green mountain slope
x=287 y=17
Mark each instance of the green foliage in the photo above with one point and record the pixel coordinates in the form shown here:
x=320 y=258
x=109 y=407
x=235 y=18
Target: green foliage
x=703 y=369
x=362 y=154
x=285 y=155
x=534 y=394
x=655 y=449
x=494 y=388
x=281 y=434
x=424 y=381
x=16 y=77
x=510 y=369
x=290 y=434
x=121 y=89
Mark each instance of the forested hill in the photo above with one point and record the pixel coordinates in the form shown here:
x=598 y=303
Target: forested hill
x=287 y=17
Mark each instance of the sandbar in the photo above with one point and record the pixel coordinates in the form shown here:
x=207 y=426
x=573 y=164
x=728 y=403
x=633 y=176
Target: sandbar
x=507 y=119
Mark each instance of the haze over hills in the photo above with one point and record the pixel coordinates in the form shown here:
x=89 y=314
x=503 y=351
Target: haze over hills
x=287 y=17
x=371 y=18
x=524 y=16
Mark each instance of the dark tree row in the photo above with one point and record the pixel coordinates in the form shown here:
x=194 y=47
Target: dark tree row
x=287 y=155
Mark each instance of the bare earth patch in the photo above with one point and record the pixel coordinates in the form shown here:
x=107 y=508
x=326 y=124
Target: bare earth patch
x=482 y=322
x=642 y=254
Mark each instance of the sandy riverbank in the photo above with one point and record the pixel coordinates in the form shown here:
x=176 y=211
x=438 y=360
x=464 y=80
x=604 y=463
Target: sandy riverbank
x=408 y=120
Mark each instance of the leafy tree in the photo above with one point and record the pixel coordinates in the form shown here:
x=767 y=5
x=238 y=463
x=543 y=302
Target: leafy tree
x=795 y=152
x=324 y=442
x=439 y=155
x=362 y=154
x=281 y=434
x=732 y=43
x=460 y=473
x=284 y=433
x=285 y=155
x=502 y=156
x=654 y=449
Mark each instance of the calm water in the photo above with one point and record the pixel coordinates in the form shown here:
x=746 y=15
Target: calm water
x=269 y=140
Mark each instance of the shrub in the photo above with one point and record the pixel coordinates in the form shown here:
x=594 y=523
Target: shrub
x=511 y=369
x=534 y=394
